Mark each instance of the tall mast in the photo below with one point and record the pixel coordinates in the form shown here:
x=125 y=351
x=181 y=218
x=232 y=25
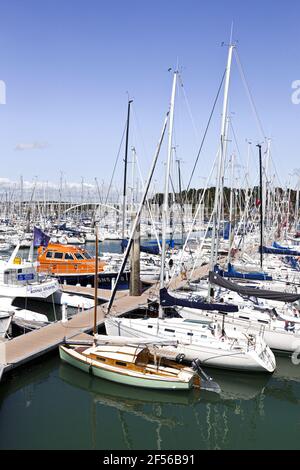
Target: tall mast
x=125 y=170
x=261 y=205
x=180 y=200
x=230 y=237
x=222 y=154
x=297 y=205
x=21 y=197
x=166 y=192
x=96 y=283
x=141 y=205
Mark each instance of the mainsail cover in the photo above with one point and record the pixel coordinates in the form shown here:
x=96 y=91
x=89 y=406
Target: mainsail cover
x=150 y=249
x=231 y=272
x=214 y=278
x=167 y=300
x=278 y=251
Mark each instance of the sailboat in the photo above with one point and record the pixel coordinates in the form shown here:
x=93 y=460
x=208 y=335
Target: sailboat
x=204 y=341
x=132 y=362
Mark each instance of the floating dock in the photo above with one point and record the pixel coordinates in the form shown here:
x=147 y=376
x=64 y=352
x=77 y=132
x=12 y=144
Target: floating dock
x=29 y=346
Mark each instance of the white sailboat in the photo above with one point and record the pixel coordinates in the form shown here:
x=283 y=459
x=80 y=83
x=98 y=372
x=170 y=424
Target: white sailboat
x=132 y=363
x=197 y=340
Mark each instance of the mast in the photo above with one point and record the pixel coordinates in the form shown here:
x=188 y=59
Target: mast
x=21 y=196
x=141 y=205
x=220 y=170
x=125 y=170
x=261 y=205
x=230 y=237
x=180 y=200
x=297 y=205
x=166 y=192
x=96 y=283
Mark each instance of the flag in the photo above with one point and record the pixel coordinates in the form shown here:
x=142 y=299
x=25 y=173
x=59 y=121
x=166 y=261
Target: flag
x=40 y=238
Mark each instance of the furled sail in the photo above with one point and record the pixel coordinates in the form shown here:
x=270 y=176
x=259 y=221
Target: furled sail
x=231 y=272
x=214 y=278
x=278 y=251
x=167 y=300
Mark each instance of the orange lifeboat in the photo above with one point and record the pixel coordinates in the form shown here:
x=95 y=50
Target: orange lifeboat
x=67 y=261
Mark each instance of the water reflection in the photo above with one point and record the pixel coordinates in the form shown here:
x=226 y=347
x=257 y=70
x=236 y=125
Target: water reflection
x=253 y=411
x=169 y=411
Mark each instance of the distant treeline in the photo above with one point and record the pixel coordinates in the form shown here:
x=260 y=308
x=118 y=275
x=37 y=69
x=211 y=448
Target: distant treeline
x=193 y=197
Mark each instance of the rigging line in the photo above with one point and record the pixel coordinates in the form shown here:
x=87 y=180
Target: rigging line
x=206 y=130
x=188 y=105
x=139 y=134
x=235 y=139
x=148 y=205
x=117 y=159
x=245 y=83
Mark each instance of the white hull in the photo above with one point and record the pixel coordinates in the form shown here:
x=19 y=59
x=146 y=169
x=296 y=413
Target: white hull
x=193 y=344
x=34 y=290
x=275 y=337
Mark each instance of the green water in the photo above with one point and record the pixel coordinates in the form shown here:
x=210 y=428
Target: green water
x=51 y=405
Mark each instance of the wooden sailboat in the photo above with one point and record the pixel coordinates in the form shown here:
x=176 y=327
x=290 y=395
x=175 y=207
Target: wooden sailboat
x=132 y=362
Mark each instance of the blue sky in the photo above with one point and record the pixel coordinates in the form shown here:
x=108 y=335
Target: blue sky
x=69 y=64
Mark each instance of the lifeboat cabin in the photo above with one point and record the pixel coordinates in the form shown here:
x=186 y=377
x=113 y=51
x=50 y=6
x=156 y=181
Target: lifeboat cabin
x=71 y=264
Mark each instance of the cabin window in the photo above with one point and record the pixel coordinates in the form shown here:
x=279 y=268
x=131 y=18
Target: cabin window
x=87 y=255
x=244 y=318
x=203 y=336
x=264 y=321
x=79 y=256
x=190 y=334
x=69 y=256
x=58 y=255
x=171 y=331
x=150 y=326
x=49 y=254
x=119 y=363
x=102 y=359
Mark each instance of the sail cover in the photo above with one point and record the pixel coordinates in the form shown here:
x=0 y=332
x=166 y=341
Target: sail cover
x=278 y=251
x=151 y=249
x=214 y=278
x=231 y=272
x=167 y=300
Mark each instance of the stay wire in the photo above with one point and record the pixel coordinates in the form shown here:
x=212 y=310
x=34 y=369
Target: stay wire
x=205 y=132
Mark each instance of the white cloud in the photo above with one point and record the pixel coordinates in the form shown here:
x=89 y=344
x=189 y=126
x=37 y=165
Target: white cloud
x=32 y=146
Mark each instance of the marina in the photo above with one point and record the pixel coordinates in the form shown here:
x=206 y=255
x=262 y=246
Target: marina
x=150 y=252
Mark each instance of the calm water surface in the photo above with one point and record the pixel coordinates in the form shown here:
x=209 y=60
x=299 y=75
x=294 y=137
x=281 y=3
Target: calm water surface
x=51 y=405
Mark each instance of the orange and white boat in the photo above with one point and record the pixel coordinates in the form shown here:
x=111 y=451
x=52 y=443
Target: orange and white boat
x=72 y=264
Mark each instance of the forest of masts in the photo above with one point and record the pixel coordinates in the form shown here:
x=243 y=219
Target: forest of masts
x=280 y=205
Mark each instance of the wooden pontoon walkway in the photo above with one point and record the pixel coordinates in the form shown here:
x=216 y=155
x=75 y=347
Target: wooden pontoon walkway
x=29 y=346
x=103 y=294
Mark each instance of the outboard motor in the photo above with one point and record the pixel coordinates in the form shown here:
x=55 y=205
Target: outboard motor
x=207 y=382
